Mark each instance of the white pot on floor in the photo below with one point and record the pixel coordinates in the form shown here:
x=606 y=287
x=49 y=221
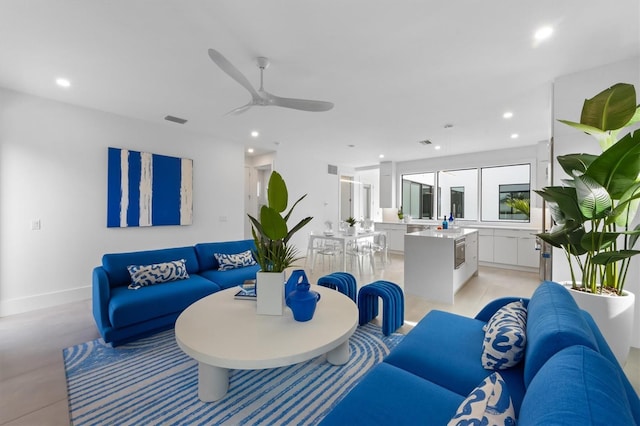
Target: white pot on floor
x=614 y=316
x=270 y=293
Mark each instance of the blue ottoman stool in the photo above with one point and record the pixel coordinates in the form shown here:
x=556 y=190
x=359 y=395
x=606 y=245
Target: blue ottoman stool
x=392 y=305
x=344 y=282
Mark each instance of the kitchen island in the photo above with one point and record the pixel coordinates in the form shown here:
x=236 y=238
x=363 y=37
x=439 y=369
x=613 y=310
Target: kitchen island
x=437 y=263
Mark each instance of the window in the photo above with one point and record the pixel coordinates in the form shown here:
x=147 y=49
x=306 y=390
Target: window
x=417 y=195
x=514 y=201
x=506 y=193
x=458 y=193
x=457 y=201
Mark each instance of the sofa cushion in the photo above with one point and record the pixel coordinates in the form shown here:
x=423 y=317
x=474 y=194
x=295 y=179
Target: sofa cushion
x=144 y=275
x=388 y=395
x=233 y=261
x=554 y=322
x=231 y=278
x=115 y=264
x=445 y=348
x=488 y=404
x=205 y=251
x=128 y=307
x=505 y=337
x=577 y=386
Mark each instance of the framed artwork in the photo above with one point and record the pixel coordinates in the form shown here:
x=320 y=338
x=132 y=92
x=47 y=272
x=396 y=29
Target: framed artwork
x=145 y=189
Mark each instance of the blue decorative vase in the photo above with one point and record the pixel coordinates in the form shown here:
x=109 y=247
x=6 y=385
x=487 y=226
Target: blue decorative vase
x=297 y=276
x=302 y=302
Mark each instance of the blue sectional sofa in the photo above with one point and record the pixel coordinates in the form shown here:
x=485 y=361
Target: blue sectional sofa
x=569 y=376
x=123 y=314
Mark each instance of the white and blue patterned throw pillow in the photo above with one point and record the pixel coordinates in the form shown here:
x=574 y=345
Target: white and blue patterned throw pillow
x=488 y=404
x=505 y=337
x=232 y=261
x=144 y=275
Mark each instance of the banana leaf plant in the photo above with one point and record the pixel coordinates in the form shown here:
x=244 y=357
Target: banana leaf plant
x=271 y=233
x=594 y=210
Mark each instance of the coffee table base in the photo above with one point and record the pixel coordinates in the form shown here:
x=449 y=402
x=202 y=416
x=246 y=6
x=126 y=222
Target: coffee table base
x=339 y=355
x=213 y=382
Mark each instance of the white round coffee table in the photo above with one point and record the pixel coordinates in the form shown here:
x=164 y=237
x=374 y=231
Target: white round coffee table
x=221 y=333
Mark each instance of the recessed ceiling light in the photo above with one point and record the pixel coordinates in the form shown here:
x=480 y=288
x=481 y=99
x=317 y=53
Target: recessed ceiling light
x=351 y=145
x=63 y=82
x=436 y=147
x=255 y=133
x=507 y=114
x=543 y=33
x=250 y=150
x=514 y=136
x=381 y=156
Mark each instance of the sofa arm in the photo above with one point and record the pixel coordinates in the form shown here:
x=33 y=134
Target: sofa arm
x=101 y=295
x=492 y=307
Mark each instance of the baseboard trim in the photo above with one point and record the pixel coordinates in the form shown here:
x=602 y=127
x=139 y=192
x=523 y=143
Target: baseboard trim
x=21 y=305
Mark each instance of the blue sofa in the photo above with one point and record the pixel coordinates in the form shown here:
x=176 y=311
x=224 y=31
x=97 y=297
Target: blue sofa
x=569 y=375
x=122 y=314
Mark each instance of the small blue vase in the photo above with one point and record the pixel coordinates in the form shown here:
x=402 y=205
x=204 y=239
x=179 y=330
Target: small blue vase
x=297 y=276
x=302 y=302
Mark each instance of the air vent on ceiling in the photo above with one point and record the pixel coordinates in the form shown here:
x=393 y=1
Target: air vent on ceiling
x=332 y=170
x=175 y=119
x=425 y=142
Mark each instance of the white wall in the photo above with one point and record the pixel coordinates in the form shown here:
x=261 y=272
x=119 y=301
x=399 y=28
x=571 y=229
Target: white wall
x=305 y=175
x=570 y=91
x=53 y=168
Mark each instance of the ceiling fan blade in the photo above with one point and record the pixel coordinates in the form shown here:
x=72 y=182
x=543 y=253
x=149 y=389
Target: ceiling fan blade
x=301 y=104
x=232 y=72
x=241 y=109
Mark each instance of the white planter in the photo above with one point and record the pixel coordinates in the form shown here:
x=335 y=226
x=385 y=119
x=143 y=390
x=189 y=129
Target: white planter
x=352 y=230
x=614 y=317
x=270 y=293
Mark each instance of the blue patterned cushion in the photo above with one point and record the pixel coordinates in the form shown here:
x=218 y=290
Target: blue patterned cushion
x=505 y=337
x=488 y=404
x=232 y=261
x=144 y=275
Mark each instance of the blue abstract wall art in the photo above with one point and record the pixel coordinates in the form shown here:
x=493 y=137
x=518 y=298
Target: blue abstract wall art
x=147 y=189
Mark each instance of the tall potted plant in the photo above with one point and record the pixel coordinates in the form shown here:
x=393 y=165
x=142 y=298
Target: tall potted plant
x=273 y=252
x=594 y=210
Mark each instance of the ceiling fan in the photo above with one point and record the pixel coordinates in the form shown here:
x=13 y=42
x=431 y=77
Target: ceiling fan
x=261 y=97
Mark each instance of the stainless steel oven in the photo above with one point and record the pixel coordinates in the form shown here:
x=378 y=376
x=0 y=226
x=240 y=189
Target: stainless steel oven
x=459 y=252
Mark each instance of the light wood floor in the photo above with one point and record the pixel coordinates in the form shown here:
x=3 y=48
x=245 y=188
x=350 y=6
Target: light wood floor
x=32 y=378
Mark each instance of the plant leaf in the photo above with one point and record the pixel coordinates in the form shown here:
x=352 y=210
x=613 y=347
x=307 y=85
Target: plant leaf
x=296 y=228
x=617 y=168
x=634 y=237
x=625 y=211
x=593 y=199
x=566 y=203
x=273 y=225
x=595 y=241
x=612 y=256
x=575 y=162
x=610 y=109
x=277 y=195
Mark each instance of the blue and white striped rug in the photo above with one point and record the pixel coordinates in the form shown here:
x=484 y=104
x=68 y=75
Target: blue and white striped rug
x=152 y=382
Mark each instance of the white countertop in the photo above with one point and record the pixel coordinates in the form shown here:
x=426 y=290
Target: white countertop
x=444 y=233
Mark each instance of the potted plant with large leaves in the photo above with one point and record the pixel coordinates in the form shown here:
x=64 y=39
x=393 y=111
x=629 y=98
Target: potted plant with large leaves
x=594 y=211
x=273 y=252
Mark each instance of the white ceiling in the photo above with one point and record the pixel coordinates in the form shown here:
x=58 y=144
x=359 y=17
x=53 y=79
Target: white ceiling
x=397 y=71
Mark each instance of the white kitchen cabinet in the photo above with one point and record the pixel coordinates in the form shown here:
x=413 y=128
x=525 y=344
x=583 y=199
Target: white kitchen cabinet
x=505 y=249
x=429 y=263
x=395 y=235
x=508 y=247
x=527 y=253
x=485 y=245
x=387 y=184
